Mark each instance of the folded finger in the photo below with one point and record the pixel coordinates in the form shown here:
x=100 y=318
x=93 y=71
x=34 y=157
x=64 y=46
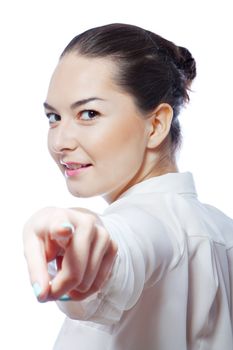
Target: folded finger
x=98 y=250
x=73 y=265
x=102 y=277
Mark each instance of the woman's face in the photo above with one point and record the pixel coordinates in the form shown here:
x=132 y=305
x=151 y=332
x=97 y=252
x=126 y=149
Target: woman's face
x=97 y=136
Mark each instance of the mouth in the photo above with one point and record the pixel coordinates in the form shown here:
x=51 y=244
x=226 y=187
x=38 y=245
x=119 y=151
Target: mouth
x=73 y=168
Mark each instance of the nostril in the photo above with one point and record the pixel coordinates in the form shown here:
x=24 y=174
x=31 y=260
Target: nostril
x=63 y=147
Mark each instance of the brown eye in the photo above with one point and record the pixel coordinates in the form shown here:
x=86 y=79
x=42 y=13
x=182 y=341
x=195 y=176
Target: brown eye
x=88 y=115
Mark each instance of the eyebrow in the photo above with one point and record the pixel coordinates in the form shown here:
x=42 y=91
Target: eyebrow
x=75 y=104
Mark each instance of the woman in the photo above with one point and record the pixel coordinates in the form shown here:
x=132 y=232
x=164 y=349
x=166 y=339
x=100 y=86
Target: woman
x=155 y=270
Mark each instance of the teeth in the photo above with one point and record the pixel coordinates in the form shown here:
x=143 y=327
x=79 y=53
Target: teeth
x=74 y=166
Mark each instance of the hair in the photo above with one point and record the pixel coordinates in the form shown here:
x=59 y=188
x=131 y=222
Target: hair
x=152 y=69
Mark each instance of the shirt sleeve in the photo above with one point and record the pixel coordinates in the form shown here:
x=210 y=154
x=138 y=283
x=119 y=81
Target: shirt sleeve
x=145 y=252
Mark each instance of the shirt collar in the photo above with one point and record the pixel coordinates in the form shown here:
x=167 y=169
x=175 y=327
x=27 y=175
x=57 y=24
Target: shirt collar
x=180 y=183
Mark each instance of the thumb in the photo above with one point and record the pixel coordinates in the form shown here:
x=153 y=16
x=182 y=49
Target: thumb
x=62 y=233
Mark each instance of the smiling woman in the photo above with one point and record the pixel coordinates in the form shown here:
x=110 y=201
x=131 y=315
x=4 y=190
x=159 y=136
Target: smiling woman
x=110 y=118
x=157 y=255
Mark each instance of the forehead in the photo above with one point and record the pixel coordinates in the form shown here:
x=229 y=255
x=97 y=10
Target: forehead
x=83 y=75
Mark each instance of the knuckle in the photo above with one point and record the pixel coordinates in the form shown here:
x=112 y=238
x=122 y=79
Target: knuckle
x=70 y=278
x=87 y=217
x=104 y=236
x=114 y=247
x=91 y=218
x=83 y=287
x=96 y=285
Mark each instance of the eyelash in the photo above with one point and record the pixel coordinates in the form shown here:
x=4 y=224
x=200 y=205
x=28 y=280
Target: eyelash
x=58 y=117
x=96 y=114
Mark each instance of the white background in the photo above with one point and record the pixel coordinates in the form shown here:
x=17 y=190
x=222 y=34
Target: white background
x=32 y=35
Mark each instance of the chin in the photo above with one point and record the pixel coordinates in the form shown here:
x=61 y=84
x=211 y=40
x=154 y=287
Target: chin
x=81 y=193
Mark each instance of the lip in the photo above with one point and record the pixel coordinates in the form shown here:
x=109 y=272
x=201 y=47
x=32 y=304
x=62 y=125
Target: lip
x=74 y=168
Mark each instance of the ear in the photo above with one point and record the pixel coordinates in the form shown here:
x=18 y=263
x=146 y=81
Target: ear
x=159 y=125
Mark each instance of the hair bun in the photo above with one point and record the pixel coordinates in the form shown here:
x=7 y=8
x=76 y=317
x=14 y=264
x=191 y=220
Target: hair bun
x=186 y=63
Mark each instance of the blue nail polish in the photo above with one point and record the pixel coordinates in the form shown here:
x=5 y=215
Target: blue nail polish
x=37 y=289
x=69 y=226
x=65 y=297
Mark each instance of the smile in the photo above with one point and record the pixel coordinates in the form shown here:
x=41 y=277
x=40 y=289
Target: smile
x=73 y=169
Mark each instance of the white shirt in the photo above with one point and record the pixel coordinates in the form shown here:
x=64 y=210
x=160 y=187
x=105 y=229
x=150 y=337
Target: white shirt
x=172 y=283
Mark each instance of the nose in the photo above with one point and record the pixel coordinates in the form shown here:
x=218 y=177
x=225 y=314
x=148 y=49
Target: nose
x=63 y=138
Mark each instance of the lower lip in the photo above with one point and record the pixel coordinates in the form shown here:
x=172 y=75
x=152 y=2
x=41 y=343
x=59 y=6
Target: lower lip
x=74 y=172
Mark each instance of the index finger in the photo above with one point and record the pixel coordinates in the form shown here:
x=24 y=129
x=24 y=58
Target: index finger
x=34 y=252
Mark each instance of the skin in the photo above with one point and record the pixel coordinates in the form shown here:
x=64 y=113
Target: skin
x=120 y=142
x=123 y=146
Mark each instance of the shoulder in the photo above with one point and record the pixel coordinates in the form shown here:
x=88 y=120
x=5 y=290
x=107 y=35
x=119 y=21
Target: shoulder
x=223 y=223
x=134 y=213
x=132 y=222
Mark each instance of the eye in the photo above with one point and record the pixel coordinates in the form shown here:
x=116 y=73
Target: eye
x=88 y=114
x=53 y=118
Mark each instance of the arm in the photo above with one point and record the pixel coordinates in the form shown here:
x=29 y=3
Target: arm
x=145 y=254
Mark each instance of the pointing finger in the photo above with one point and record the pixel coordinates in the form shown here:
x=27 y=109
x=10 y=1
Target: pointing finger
x=37 y=267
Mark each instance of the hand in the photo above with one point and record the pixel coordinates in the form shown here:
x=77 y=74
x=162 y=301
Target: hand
x=81 y=246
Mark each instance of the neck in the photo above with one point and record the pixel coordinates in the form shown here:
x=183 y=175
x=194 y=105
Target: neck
x=162 y=166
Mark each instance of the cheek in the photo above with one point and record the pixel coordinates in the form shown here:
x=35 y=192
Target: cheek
x=122 y=146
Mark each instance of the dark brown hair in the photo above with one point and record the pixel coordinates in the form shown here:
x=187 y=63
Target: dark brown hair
x=152 y=69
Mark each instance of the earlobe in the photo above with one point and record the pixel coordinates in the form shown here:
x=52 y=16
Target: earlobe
x=159 y=124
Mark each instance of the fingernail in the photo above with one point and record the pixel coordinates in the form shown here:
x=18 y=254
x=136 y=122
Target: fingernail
x=37 y=289
x=69 y=226
x=65 y=297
